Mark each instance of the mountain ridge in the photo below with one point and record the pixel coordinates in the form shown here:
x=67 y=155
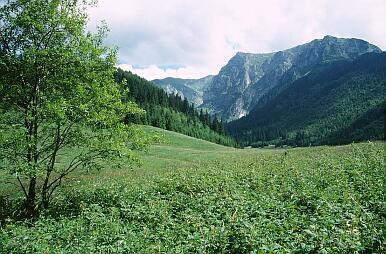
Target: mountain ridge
x=248 y=77
x=327 y=91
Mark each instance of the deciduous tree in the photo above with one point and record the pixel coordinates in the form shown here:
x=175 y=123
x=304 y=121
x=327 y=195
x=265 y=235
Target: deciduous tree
x=60 y=107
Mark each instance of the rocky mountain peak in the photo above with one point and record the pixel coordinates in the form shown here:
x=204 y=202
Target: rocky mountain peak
x=248 y=78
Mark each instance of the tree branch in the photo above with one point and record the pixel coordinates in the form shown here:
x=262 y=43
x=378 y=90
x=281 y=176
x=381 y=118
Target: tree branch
x=61 y=144
x=22 y=186
x=53 y=188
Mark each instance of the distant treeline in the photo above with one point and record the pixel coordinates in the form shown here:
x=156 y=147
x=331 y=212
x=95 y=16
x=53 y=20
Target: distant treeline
x=171 y=112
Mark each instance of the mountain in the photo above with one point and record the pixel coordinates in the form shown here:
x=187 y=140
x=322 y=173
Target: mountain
x=327 y=91
x=249 y=78
x=224 y=94
x=335 y=102
x=191 y=89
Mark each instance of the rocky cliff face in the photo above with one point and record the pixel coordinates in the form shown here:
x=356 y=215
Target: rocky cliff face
x=250 y=80
x=224 y=95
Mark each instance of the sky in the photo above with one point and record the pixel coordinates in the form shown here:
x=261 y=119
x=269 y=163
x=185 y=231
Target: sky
x=195 y=38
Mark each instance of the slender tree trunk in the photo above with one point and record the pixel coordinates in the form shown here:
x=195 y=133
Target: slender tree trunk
x=50 y=168
x=31 y=194
x=31 y=199
x=45 y=194
x=31 y=123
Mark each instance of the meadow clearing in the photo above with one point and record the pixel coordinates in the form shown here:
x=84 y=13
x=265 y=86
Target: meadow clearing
x=192 y=196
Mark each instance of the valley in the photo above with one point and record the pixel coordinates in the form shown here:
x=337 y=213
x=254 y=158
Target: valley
x=119 y=141
x=193 y=196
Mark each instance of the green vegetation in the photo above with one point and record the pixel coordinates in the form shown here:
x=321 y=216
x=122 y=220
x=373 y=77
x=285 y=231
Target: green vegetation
x=170 y=112
x=335 y=103
x=192 y=196
x=64 y=106
x=58 y=94
x=78 y=175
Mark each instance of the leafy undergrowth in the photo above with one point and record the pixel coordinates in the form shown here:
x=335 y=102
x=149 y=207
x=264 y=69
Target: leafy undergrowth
x=310 y=200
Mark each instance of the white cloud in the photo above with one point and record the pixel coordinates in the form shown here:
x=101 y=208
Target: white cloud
x=202 y=35
x=154 y=72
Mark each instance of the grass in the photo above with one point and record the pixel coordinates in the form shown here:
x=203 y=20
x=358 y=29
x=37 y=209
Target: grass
x=192 y=196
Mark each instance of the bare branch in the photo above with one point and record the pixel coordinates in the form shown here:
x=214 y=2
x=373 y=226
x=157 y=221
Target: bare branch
x=22 y=186
x=53 y=188
x=62 y=143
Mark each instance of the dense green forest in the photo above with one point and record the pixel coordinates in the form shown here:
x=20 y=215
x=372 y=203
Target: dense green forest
x=170 y=112
x=336 y=103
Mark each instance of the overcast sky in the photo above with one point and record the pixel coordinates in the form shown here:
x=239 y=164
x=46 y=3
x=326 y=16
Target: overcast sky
x=195 y=38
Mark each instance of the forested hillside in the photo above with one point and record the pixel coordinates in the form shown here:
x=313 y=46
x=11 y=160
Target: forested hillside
x=335 y=103
x=170 y=111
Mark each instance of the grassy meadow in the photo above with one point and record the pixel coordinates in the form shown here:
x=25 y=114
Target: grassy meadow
x=192 y=196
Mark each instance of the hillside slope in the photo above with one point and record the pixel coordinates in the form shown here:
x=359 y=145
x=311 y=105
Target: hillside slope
x=337 y=102
x=170 y=111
